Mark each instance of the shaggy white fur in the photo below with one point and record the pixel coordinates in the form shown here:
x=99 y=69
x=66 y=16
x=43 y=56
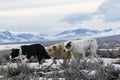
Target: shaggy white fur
x=79 y=47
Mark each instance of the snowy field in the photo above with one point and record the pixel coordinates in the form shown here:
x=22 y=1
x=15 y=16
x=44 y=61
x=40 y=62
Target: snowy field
x=106 y=61
x=10 y=46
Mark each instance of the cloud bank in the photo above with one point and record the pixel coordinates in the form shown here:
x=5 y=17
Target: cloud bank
x=106 y=16
x=54 y=16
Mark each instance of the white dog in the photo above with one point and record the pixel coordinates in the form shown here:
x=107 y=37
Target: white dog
x=79 y=47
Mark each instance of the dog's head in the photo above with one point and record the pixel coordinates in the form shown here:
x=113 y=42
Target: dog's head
x=55 y=50
x=52 y=49
x=67 y=46
x=14 y=53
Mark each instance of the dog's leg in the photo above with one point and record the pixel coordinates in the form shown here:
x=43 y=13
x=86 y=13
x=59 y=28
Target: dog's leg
x=93 y=54
x=54 y=61
x=25 y=60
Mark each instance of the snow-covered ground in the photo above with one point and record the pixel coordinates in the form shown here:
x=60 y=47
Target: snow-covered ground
x=117 y=48
x=10 y=46
x=106 y=61
x=36 y=65
x=49 y=61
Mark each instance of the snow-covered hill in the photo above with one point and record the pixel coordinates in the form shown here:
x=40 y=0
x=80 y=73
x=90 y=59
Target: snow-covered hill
x=82 y=33
x=10 y=36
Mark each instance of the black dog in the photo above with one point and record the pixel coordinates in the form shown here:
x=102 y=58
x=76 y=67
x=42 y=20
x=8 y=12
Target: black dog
x=27 y=51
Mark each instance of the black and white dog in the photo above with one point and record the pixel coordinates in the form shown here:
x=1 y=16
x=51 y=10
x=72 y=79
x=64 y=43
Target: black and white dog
x=25 y=52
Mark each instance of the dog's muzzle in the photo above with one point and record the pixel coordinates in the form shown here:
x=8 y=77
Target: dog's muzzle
x=63 y=50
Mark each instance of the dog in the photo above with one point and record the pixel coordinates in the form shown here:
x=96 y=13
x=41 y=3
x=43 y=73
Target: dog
x=56 y=52
x=25 y=52
x=79 y=47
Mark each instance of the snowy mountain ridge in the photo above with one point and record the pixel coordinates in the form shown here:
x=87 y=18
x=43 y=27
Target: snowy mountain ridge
x=10 y=36
x=84 y=33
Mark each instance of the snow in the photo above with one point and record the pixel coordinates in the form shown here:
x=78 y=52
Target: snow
x=72 y=33
x=10 y=36
x=117 y=48
x=41 y=78
x=1 y=77
x=106 y=61
x=49 y=61
x=36 y=65
x=10 y=46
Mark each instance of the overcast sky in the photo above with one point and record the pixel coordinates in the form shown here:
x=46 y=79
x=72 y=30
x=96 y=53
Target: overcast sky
x=54 y=16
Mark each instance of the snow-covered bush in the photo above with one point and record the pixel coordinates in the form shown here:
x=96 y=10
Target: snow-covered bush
x=82 y=70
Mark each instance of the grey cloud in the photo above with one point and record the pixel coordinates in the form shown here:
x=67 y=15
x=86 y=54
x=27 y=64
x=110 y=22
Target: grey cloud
x=76 y=18
x=110 y=9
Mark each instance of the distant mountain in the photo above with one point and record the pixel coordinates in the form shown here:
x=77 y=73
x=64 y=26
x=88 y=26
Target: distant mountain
x=82 y=33
x=8 y=36
x=112 y=38
x=109 y=42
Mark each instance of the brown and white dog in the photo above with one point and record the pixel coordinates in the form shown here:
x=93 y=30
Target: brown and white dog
x=79 y=47
x=56 y=52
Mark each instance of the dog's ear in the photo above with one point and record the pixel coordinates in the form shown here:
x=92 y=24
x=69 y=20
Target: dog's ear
x=13 y=49
x=17 y=49
x=50 y=49
x=54 y=48
x=69 y=45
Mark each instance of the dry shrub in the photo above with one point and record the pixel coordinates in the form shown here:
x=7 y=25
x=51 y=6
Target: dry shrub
x=4 y=59
x=22 y=72
x=4 y=56
x=109 y=53
x=83 y=71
